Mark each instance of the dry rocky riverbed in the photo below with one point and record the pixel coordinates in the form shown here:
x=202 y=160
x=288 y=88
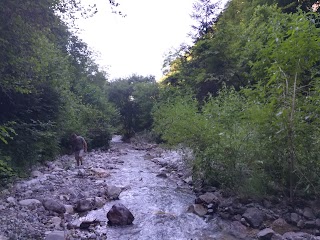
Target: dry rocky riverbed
x=62 y=201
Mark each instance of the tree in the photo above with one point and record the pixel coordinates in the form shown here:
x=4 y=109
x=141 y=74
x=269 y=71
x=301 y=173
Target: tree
x=134 y=98
x=205 y=13
x=50 y=86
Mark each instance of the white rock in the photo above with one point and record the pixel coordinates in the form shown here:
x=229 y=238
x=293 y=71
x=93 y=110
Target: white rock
x=12 y=200
x=28 y=202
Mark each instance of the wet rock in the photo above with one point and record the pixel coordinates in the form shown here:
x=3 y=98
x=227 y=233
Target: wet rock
x=84 y=205
x=265 y=234
x=198 y=209
x=87 y=223
x=56 y=235
x=53 y=205
x=119 y=215
x=188 y=180
x=29 y=202
x=99 y=202
x=254 y=217
x=113 y=192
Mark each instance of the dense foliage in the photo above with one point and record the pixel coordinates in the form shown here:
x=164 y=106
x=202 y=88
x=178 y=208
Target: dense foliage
x=134 y=97
x=251 y=112
x=50 y=86
x=244 y=97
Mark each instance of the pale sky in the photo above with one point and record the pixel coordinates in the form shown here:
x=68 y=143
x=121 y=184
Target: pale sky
x=137 y=43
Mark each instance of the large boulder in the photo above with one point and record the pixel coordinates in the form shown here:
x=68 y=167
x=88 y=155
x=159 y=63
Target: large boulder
x=53 y=205
x=119 y=215
x=254 y=217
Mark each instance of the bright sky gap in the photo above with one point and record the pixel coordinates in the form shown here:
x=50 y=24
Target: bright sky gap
x=137 y=43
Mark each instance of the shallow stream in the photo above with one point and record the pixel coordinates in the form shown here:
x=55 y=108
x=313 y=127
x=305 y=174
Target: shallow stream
x=159 y=204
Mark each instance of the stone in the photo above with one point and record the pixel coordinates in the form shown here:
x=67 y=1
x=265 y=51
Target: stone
x=29 y=202
x=198 y=209
x=162 y=175
x=113 y=192
x=294 y=218
x=3 y=237
x=277 y=236
x=53 y=205
x=301 y=224
x=11 y=200
x=297 y=236
x=99 y=202
x=188 y=180
x=32 y=182
x=265 y=234
x=210 y=197
x=87 y=223
x=84 y=205
x=310 y=224
x=56 y=235
x=81 y=172
x=233 y=228
x=36 y=174
x=281 y=226
x=254 y=217
x=308 y=213
x=69 y=209
x=119 y=215
x=100 y=172
x=55 y=222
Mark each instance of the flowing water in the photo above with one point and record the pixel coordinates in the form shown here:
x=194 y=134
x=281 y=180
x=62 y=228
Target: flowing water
x=159 y=204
